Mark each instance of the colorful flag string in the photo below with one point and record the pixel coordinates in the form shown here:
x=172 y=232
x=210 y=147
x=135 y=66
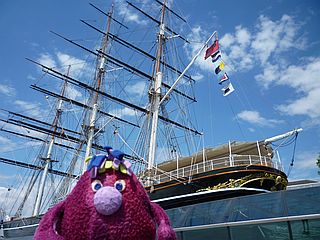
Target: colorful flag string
x=219 y=67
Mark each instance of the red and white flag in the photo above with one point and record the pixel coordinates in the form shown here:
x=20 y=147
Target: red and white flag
x=224 y=77
x=212 y=49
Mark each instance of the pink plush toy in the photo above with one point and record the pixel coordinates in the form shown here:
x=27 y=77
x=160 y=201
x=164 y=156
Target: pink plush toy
x=108 y=202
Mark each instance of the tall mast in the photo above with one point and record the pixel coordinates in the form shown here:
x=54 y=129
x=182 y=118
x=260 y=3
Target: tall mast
x=48 y=159
x=156 y=94
x=99 y=77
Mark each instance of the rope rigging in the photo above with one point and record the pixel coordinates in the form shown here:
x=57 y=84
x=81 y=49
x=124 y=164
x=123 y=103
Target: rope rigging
x=293 y=154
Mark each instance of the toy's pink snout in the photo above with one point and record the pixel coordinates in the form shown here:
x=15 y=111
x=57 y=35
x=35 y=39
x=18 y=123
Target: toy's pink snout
x=107 y=200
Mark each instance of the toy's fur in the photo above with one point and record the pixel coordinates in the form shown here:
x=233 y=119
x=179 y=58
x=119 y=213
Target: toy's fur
x=77 y=218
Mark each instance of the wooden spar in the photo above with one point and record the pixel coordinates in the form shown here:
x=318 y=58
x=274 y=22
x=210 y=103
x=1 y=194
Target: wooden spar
x=38 y=121
x=40 y=139
x=118 y=63
x=110 y=115
x=158 y=22
x=19 y=134
x=131 y=46
x=83 y=85
x=125 y=65
x=35 y=167
x=121 y=24
x=86 y=86
x=109 y=96
x=48 y=131
x=79 y=104
x=39 y=129
x=170 y=10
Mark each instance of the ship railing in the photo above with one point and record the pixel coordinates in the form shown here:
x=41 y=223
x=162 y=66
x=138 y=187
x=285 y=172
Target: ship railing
x=217 y=163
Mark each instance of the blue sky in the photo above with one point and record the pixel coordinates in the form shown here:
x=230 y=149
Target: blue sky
x=271 y=49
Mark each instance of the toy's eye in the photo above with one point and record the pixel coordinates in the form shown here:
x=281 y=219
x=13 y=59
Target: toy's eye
x=96 y=185
x=120 y=185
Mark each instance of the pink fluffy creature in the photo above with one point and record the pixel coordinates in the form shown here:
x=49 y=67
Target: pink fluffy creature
x=108 y=202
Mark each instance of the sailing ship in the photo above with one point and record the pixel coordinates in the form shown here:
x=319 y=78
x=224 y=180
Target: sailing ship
x=138 y=101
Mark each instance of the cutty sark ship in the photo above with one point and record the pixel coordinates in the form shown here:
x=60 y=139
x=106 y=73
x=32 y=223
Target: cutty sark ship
x=133 y=94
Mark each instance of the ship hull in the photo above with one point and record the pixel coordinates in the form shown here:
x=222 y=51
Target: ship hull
x=253 y=176
x=20 y=229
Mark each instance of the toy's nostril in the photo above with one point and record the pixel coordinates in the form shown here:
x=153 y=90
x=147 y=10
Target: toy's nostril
x=107 y=200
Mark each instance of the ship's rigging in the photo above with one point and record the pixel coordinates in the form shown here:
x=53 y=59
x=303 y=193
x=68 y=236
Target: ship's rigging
x=78 y=142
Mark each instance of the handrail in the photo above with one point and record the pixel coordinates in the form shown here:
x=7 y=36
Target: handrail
x=229 y=161
x=250 y=222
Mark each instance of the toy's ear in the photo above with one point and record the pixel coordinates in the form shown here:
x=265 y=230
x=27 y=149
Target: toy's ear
x=50 y=224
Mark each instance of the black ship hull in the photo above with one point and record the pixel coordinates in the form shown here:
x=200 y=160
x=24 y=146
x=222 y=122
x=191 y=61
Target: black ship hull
x=252 y=176
x=20 y=229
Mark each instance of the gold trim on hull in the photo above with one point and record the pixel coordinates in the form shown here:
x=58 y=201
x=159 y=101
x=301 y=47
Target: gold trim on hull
x=280 y=183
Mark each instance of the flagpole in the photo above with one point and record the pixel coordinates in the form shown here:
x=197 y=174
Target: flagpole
x=186 y=69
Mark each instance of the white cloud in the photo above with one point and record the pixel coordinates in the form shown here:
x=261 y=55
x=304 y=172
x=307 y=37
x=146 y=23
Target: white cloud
x=4 y=201
x=62 y=61
x=305 y=166
x=33 y=109
x=197 y=35
x=303 y=79
x=130 y=14
x=78 y=66
x=47 y=60
x=74 y=94
x=251 y=129
x=242 y=50
x=306 y=160
x=6 y=145
x=11 y=195
x=264 y=48
x=128 y=112
x=235 y=49
x=30 y=77
x=274 y=36
x=7 y=90
x=243 y=36
x=137 y=88
x=307 y=105
x=227 y=40
x=254 y=117
x=198 y=77
x=5 y=177
x=268 y=75
x=309 y=123
x=123 y=112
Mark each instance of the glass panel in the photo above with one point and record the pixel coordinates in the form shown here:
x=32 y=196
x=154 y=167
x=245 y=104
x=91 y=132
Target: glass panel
x=259 y=206
x=271 y=231
x=310 y=198
x=306 y=230
x=205 y=234
x=228 y=210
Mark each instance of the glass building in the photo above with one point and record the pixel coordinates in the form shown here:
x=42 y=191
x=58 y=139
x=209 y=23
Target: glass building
x=293 y=214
